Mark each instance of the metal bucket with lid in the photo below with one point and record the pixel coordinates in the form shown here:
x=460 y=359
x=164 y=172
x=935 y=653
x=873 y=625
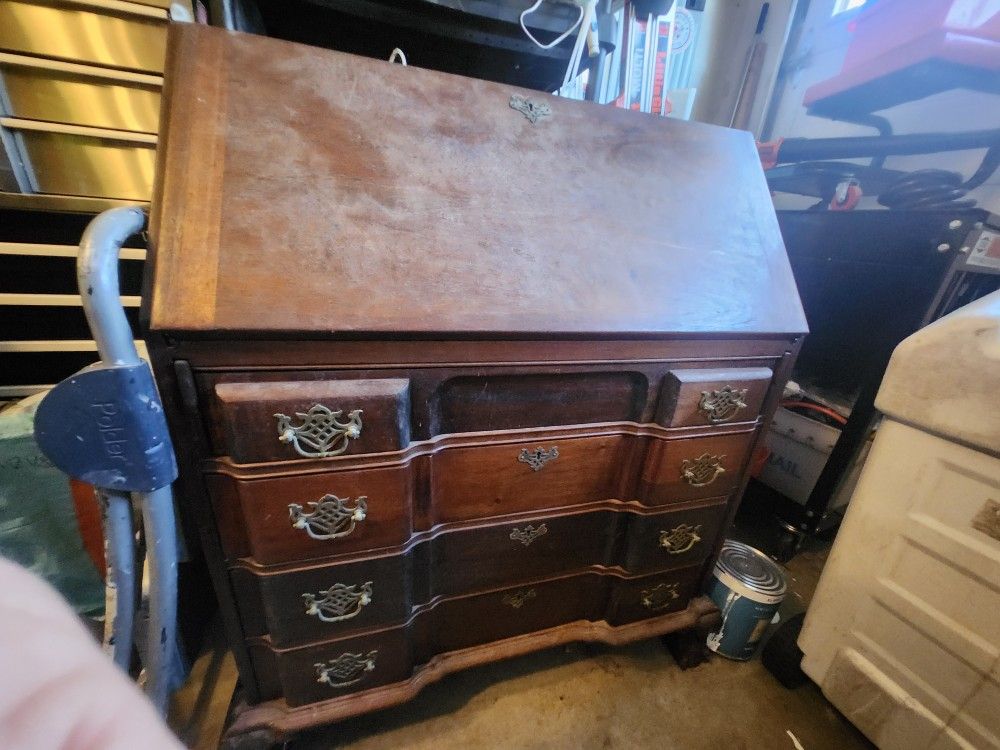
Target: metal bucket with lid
x=748 y=587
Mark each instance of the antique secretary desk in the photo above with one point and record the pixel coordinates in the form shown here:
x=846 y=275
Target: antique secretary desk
x=456 y=371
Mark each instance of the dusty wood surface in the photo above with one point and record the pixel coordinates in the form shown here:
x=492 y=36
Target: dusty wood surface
x=310 y=191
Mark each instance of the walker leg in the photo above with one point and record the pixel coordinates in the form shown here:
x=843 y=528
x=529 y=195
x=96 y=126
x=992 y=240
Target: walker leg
x=161 y=557
x=121 y=591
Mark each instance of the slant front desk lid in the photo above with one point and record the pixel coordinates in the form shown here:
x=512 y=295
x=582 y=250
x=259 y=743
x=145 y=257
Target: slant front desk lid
x=304 y=191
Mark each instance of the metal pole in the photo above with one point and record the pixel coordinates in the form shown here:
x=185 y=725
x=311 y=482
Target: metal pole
x=161 y=557
x=97 y=276
x=809 y=149
x=120 y=591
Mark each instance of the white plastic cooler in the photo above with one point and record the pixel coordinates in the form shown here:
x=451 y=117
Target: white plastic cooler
x=903 y=635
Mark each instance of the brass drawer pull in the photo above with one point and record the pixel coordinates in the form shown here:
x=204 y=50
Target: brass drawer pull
x=347 y=669
x=330 y=517
x=519 y=598
x=702 y=471
x=660 y=596
x=680 y=539
x=537 y=458
x=528 y=534
x=720 y=405
x=321 y=431
x=339 y=602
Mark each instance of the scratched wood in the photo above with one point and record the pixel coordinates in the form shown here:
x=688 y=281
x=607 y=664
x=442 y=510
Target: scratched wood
x=332 y=229
x=459 y=623
x=340 y=194
x=465 y=561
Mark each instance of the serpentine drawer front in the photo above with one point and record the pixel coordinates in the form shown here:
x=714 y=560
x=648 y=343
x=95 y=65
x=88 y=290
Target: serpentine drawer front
x=679 y=470
x=329 y=600
x=296 y=420
x=448 y=384
x=301 y=516
x=716 y=396
x=463 y=622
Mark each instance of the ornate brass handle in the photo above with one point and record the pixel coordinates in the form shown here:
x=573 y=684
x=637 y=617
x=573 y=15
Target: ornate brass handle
x=518 y=599
x=339 y=602
x=528 y=534
x=720 y=405
x=702 y=471
x=660 y=596
x=330 y=517
x=680 y=539
x=322 y=433
x=347 y=669
x=537 y=458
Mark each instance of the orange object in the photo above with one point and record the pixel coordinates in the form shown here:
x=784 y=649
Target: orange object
x=852 y=196
x=88 y=518
x=768 y=153
x=839 y=419
x=759 y=459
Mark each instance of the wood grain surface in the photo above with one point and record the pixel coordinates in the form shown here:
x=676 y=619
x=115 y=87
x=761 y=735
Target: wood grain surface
x=444 y=482
x=441 y=399
x=465 y=559
x=680 y=400
x=323 y=224
x=341 y=195
x=247 y=415
x=463 y=622
x=663 y=472
x=278 y=720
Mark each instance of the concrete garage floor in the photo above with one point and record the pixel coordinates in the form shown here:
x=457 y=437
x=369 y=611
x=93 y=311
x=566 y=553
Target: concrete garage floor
x=596 y=698
x=579 y=697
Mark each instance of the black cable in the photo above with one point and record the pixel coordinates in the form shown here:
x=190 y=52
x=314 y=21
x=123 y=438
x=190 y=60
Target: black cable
x=938 y=188
x=989 y=164
x=927 y=189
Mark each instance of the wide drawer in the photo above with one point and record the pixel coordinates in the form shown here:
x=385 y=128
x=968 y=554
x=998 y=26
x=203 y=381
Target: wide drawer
x=278 y=518
x=338 y=667
x=318 y=602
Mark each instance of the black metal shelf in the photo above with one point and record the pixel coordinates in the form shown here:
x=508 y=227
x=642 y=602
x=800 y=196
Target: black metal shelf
x=483 y=39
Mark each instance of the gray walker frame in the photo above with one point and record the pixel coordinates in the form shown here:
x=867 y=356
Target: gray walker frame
x=97 y=276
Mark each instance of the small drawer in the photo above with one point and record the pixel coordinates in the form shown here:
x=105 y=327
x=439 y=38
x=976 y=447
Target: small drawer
x=289 y=518
x=317 y=603
x=691 y=398
x=673 y=540
x=311 y=419
x=333 y=669
x=652 y=596
x=693 y=468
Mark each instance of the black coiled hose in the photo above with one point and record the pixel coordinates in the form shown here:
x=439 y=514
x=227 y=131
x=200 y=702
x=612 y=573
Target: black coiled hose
x=938 y=188
x=927 y=189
